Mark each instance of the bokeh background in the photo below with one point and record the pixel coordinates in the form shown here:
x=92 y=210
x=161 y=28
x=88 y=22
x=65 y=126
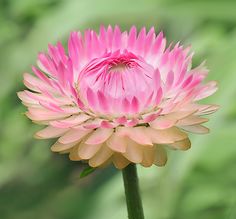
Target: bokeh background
x=199 y=183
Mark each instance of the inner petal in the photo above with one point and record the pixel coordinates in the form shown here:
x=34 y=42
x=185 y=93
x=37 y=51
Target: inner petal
x=121 y=82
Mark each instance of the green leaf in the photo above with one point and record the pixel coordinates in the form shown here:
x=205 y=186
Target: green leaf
x=86 y=171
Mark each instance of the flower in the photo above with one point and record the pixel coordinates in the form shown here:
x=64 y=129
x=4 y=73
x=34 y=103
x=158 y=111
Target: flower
x=118 y=97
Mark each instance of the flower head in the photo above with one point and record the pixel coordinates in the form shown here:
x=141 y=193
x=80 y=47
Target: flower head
x=118 y=97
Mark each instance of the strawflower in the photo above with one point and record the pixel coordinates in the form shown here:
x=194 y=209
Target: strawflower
x=118 y=97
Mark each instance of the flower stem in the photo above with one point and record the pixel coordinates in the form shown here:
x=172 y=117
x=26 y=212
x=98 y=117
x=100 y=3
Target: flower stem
x=133 y=198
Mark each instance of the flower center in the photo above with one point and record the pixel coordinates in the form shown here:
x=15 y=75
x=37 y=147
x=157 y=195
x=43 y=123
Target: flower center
x=110 y=83
x=118 y=67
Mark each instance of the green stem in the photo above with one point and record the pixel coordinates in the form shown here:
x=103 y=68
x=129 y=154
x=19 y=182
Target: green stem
x=133 y=198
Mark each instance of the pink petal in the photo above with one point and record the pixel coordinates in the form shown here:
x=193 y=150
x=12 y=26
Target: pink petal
x=134 y=106
x=71 y=121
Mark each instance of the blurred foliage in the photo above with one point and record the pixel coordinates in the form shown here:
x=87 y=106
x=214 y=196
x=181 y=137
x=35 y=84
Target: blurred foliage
x=34 y=183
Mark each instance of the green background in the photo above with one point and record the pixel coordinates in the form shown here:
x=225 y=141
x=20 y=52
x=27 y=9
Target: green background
x=36 y=184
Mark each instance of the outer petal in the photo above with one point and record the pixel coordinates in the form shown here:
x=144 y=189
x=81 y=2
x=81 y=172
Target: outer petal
x=99 y=136
x=166 y=136
x=74 y=135
x=59 y=147
x=148 y=156
x=50 y=132
x=117 y=143
x=137 y=134
x=86 y=151
x=198 y=129
x=74 y=154
x=169 y=120
x=181 y=145
x=120 y=161
x=191 y=120
x=101 y=156
x=133 y=152
x=160 y=156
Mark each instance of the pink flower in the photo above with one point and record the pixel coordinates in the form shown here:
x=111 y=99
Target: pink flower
x=118 y=97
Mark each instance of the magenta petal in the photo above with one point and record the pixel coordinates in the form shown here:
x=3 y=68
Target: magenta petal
x=134 y=105
x=103 y=101
x=125 y=105
x=91 y=98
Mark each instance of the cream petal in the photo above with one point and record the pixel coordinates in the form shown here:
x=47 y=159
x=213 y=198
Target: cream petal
x=182 y=114
x=181 y=145
x=101 y=156
x=198 y=129
x=133 y=152
x=160 y=156
x=106 y=163
x=191 y=120
x=59 y=147
x=117 y=143
x=41 y=114
x=137 y=134
x=74 y=154
x=170 y=119
x=166 y=136
x=65 y=151
x=74 y=135
x=120 y=161
x=208 y=109
x=50 y=132
x=87 y=151
x=26 y=99
x=148 y=156
x=99 y=136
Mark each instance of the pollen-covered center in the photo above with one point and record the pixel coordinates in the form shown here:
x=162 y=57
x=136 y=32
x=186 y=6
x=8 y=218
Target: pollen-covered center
x=117 y=67
x=121 y=63
x=117 y=84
